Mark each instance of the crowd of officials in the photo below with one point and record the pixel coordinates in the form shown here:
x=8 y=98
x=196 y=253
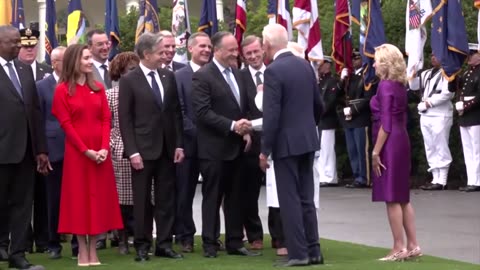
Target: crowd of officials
x=104 y=150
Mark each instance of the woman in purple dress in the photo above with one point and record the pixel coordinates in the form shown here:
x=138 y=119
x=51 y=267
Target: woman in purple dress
x=391 y=153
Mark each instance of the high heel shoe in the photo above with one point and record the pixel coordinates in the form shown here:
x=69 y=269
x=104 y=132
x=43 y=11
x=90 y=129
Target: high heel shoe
x=416 y=252
x=83 y=264
x=397 y=256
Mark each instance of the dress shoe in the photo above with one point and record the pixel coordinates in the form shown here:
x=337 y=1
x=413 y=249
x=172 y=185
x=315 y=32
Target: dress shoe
x=168 y=253
x=470 y=188
x=41 y=249
x=101 y=244
x=3 y=255
x=325 y=184
x=142 y=256
x=55 y=254
x=187 y=247
x=431 y=186
x=356 y=184
x=210 y=254
x=243 y=252
x=292 y=262
x=220 y=246
x=22 y=263
x=316 y=260
x=256 y=245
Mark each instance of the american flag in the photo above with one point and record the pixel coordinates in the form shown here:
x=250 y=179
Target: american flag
x=415 y=17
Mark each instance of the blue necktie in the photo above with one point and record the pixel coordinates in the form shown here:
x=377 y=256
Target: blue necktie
x=14 y=79
x=232 y=85
x=156 y=89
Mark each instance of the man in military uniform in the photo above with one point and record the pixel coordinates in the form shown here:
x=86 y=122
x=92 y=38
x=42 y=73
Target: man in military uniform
x=37 y=234
x=468 y=108
x=28 y=53
x=330 y=92
x=436 y=118
x=355 y=118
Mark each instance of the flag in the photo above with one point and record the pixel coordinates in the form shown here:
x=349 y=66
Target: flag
x=208 y=20
x=240 y=20
x=180 y=29
x=76 y=23
x=305 y=20
x=112 y=27
x=148 y=18
x=342 y=39
x=5 y=12
x=449 y=37
x=18 y=14
x=272 y=11
x=477 y=5
x=418 y=12
x=372 y=34
x=284 y=18
x=50 y=30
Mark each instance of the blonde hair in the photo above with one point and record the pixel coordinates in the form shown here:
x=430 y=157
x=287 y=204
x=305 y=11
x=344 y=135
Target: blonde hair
x=390 y=64
x=296 y=49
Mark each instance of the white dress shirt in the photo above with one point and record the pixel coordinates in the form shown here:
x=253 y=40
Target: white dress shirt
x=280 y=52
x=98 y=66
x=34 y=69
x=194 y=66
x=253 y=73
x=146 y=71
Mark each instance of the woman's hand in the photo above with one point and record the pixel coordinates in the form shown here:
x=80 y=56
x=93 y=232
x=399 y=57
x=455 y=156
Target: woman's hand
x=377 y=165
x=102 y=155
x=93 y=155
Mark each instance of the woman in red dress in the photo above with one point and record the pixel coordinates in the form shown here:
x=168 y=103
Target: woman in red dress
x=89 y=200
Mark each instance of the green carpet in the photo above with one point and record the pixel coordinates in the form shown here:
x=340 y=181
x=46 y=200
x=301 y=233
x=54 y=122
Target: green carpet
x=339 y=256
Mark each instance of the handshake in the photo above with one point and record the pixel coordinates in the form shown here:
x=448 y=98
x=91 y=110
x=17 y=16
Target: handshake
x=97 y=156
x=242 y=127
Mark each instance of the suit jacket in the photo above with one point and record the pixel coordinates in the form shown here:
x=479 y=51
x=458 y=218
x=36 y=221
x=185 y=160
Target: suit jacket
x=42 y=70
x=146 y=127
x=215 y=108
x=54 y=133
x=330 y=91
x=98 y=77
x=184 y=88
x=291 y=108
x=177 y=66
x=254 y=113
x=21 y=119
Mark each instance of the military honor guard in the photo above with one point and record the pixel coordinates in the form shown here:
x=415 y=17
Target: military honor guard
x=468 y=109
x=436 y=118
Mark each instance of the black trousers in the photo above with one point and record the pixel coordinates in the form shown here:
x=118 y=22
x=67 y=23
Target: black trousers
x=252 y=184
x=294 y=178
x=38 y=231
x=275 y=227
x=222 y=180
x=186 y=184
x=54 y=189
x=16 y=198
x=162 y=171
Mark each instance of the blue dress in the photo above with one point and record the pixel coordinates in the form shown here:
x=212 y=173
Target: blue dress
x=389 y=109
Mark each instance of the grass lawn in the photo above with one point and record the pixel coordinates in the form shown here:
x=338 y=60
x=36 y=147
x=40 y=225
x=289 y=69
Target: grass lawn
x=339 y=256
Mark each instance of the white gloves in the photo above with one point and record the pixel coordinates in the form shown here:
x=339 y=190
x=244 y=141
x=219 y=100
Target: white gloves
x=344 y=73
x=422 y=106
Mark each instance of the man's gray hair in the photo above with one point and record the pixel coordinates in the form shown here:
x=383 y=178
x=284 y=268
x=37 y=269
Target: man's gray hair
x=146 y=43
x=276 y=35
x=166 y=33
x=55 y=52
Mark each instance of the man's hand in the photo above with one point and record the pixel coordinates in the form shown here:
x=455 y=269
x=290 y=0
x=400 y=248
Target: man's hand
x=43 y=164
x=179 y=155
x=248 y=142
x=136 y=162
x=102 y=155
x=263 y=160
x=243 y=126
x=344 y=73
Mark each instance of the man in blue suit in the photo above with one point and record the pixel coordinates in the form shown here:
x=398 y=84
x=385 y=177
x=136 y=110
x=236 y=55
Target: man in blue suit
x=291 y=110
x=56 y=147
x=200 y=48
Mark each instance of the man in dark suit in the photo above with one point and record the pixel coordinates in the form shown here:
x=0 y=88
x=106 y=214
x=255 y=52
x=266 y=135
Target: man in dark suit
x=22 y=143
x=200 y=48
x=291 y=110
x=220 y=102
x=170 y=49
x=253 y=76
x=37 y=234
x=56 y=146
x=151 y=127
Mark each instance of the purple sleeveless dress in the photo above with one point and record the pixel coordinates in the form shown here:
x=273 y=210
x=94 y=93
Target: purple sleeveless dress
x=389 y=109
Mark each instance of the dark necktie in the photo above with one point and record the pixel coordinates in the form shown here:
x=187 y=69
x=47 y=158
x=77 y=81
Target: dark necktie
x=169 y=68
x=106 y=77
x=232 y=85
x=258 y=79
x=14 y=79
x=156 y=89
